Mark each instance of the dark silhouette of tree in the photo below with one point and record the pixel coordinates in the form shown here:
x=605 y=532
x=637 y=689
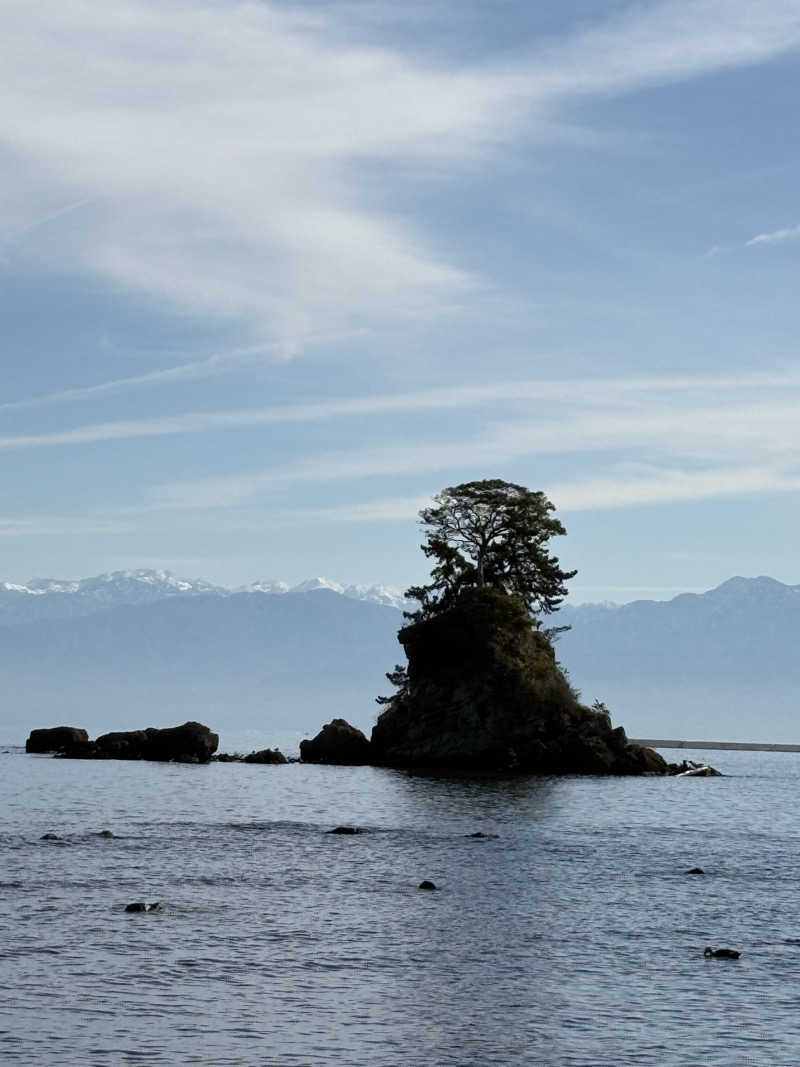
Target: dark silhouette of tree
x=491 y=534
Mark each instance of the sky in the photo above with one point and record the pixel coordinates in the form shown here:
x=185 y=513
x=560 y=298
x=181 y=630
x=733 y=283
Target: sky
x=272 y=274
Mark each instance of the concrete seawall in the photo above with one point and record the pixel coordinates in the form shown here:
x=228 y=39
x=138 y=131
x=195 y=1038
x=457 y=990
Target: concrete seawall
x=740 y=746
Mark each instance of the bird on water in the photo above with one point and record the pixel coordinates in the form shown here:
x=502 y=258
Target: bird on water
x=722 y=953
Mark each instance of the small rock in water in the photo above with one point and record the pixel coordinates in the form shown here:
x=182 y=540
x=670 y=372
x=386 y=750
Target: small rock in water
x=690 y=769
x=722 y=953
x=105 y=833
x=696 y=870
x=50 y=837
x=140 y=905
x=427 y=885
x=345 y=830
x=478 y=833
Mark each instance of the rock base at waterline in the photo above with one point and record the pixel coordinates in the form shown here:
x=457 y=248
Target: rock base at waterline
x=485 y=693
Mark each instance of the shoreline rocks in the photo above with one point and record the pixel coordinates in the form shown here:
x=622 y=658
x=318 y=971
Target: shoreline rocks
x=265 y=755
x=54 y=739
x=337 y=742
x=190 y=743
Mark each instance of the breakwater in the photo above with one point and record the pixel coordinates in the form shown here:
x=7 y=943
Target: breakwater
x=738 y=746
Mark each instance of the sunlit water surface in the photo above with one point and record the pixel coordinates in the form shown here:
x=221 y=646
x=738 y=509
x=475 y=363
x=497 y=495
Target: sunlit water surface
x=572 y=936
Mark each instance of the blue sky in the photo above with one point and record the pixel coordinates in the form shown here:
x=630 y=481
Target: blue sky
x=271 y=274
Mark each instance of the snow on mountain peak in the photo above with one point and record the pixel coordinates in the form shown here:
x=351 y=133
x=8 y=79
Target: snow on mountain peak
x=264 y=585
x=378 y=594
x=311 y=584
x=143 y=585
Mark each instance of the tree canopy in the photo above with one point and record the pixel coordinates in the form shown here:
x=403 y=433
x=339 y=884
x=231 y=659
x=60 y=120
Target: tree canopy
x=491 y=533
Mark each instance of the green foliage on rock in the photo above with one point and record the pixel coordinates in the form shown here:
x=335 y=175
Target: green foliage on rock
x=491 y=534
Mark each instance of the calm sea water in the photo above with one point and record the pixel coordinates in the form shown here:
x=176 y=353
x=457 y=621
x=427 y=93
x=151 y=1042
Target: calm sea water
x=572 y=937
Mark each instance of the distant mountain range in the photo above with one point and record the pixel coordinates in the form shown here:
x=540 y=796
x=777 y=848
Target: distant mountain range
x=721 y=665
x=56 y=598
x=271 y=664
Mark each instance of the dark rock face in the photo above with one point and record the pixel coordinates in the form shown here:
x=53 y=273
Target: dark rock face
x=266 y=755
x=485 y=693
x=190 y=743
x=54 y=739
x=337 y=742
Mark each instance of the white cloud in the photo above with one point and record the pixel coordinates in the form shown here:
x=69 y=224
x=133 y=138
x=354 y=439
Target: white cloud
x=792 y=234
x=611 y=396
x=591 y=494
x=666 y=486
x=708 y=449
x=657 y=43
x=210 y=153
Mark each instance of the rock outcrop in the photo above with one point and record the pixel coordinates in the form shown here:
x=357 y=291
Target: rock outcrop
x=690 y=769
x=190 y=743
x=266 y=755
x=54 y=739
x=337 y=742
x=484 y=692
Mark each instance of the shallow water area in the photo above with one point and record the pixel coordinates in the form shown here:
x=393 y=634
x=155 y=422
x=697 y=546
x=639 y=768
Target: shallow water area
x=571 y=935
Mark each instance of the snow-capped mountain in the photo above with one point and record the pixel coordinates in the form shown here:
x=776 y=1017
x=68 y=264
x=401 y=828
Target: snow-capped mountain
x=54 y=598
x=377 y=594
x=134 y=586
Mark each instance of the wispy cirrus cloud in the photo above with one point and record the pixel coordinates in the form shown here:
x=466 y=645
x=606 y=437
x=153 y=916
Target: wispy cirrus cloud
x=614 y=396
x=222 y=172
x=615 y=490
x=775 y=237
x=189 y=371
x=661 y=486
x=707 y=450
x=192 y=370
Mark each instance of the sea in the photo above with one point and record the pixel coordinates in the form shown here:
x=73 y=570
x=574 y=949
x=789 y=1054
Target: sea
x=570 y=935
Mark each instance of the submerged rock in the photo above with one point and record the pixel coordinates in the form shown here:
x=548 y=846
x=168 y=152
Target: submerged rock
x=345 y=830
x=485 y=693
x=55 y=738
x=142 y=906
x=337 y=742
